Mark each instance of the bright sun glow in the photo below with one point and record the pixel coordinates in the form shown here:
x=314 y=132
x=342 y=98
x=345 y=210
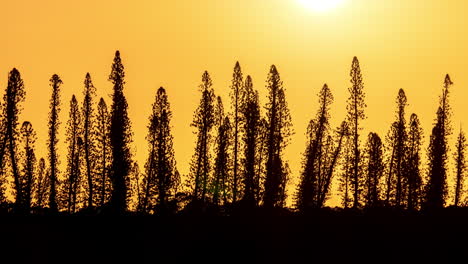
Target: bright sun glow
x=320 y=5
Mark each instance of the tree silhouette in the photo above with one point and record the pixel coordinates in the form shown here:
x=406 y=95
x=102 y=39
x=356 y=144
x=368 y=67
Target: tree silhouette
x=238 y=163
x=28 y=177
x=396 y=181
x=71 y=184
x=159 y=178
x=391 y=148
x=346 y=172
x=103 y=154
x=332 y=155
x=223 y=161
x=355 y=110
x=203 y=121
x=54 y=123
x=373 y=157
x=42 y=184
x=120 y=138
x=236 y=100
x=260 y=164
x=14 y=95
x=250 y=114
x=436 y=188
x=279 y=131
x=88 y=138
x=134 y=194
x=315 y=154
x=459 y=157
x=413 y=160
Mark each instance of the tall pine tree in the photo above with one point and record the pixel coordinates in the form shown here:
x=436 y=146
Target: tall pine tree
x=103 y=155
x=203 y=121
x=413 y=162
x=28 y=171
x=88 y=138
x=55 y=83
x=158 y=184
x=396 y=181
x=279 y=130
x=222 y=164
x=315 y=154
x=355 y=110
x=71 y=185
x=436 y=188
x=120 y=138
x=14 y=95
x=236 y=100
x=460 y=163
x=250 y=114
x=374 y=170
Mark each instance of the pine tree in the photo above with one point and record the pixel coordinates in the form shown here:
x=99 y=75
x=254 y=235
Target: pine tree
x=88 y=138
x=279 y=131
x=374 y=166
x=355 y=110
x=14 y=95
x=103 y=154
x=398 y=140
x=203 y=121
x=3 y=155
x=236 y=100
x=134 y=192
x=160 y=177
x=54 y=123
x=260 y=164
x=42 y=184
x=315 y=154
x=436 y=189
x=222 y=164
x=71 y=184
x=391 y=149
x=459 y=157
x=28 y=177
x=332 y=156
x=250 y=114
x=346 y=172
x=120 y=138
x=415 y=137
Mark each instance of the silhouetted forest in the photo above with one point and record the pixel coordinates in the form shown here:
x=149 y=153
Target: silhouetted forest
x=238 y=164
x=393 y=198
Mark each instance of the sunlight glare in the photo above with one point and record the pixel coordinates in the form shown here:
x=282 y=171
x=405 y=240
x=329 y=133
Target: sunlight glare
x=320 y=5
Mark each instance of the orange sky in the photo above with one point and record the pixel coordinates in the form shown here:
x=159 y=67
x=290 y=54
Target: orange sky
x=400 y=44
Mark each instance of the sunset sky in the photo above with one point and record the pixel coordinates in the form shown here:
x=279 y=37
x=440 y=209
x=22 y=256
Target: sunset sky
x=400 y=44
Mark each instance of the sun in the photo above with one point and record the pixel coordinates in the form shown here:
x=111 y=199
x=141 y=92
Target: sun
x=320 y=5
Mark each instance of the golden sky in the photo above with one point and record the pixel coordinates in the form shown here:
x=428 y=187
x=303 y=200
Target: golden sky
x=400 y=44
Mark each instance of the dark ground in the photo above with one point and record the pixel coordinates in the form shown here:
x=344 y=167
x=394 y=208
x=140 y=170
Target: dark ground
x=325 y=236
